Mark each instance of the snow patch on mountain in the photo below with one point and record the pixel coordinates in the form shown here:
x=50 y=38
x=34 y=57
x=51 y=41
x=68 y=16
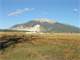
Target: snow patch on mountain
x=45 y=20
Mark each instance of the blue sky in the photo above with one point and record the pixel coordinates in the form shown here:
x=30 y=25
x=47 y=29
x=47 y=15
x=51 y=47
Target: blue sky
x=18 y=11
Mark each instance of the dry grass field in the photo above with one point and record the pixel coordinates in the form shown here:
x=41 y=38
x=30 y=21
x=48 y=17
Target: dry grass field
x=44 y=46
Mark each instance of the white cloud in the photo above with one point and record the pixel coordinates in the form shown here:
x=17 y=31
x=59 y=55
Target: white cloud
x=20 y=11
x=75 y=10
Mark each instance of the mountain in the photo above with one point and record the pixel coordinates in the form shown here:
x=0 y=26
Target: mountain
x=48 y=25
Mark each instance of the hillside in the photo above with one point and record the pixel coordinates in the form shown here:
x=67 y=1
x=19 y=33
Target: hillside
x=48 y=25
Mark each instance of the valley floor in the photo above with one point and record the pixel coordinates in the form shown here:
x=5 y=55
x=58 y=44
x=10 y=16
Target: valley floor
x=45 y=46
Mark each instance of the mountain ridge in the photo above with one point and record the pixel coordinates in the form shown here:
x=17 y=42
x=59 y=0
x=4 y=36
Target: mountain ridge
x=48 y=25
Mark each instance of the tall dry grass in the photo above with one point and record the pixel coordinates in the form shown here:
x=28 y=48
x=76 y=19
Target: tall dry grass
x=44 y=46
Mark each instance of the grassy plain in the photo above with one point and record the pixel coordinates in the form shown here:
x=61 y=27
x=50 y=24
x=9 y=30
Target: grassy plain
x=44 y=46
